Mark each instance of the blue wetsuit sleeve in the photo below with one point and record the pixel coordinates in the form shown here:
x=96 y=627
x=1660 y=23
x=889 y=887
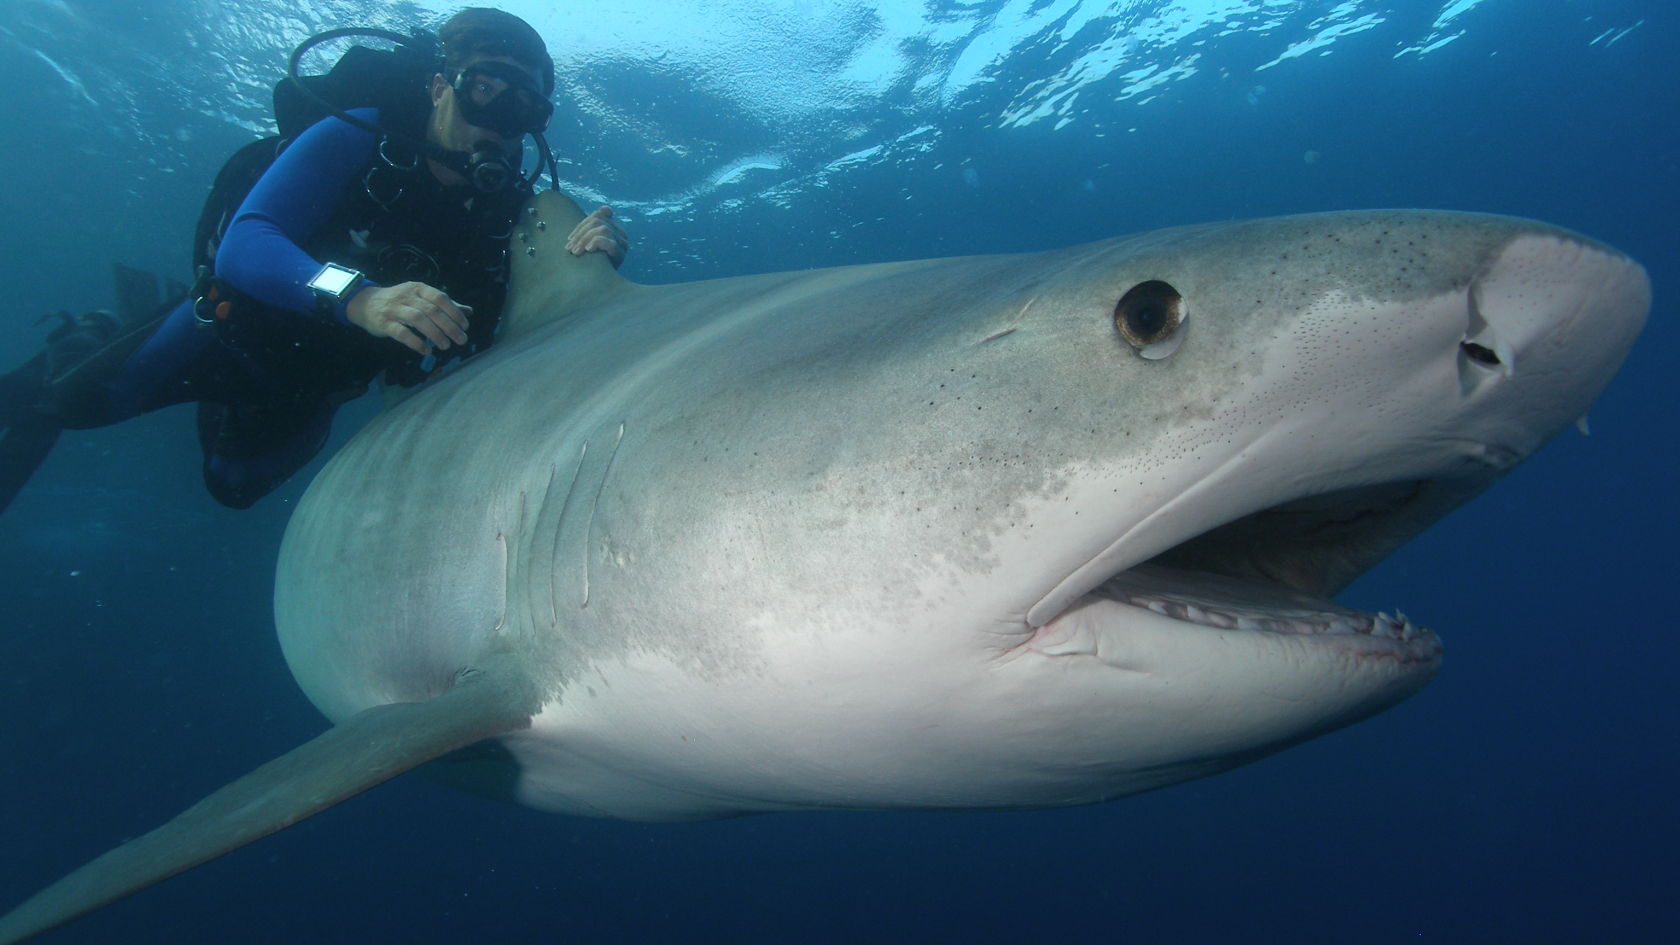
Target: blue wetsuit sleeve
x=261 y=254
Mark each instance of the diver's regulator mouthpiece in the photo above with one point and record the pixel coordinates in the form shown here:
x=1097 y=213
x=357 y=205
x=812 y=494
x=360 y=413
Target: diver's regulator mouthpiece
x=488 y=167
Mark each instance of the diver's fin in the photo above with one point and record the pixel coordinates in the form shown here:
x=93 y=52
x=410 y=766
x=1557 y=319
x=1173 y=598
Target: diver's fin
x=367 y=749
x=547 y=282
x=77 y=390
x=134 y=291
x=27 y=433
x=23 y=447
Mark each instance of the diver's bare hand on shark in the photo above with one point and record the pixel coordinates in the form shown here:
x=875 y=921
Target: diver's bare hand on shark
x=413 y=313
x=599 y=233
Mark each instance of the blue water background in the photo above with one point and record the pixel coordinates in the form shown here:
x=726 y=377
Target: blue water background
x=1526 y=796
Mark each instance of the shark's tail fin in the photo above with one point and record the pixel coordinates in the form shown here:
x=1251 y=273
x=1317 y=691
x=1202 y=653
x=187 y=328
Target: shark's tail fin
x=368 y=749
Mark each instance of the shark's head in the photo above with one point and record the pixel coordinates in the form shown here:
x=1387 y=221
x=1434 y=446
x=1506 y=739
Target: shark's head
x=1054 y=529
x=1303 y=396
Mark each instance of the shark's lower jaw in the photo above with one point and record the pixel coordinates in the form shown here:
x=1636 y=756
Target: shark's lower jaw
x=1242 y=606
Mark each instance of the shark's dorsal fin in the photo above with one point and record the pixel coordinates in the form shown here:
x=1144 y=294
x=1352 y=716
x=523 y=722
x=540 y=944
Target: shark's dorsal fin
x=547 y=282
x=365 y=750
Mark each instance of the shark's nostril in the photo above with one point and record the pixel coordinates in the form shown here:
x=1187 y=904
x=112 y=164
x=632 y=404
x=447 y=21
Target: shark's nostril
x=1480 y=354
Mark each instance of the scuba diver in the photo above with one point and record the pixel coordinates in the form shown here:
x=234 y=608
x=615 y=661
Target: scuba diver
x=369 y=237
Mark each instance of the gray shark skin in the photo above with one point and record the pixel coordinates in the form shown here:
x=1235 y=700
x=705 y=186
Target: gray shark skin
x=993 y=532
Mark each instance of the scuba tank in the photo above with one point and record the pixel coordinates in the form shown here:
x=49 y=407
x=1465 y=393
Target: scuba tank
x=391 y=80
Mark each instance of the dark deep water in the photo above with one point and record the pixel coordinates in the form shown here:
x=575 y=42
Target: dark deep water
x=1525 y=796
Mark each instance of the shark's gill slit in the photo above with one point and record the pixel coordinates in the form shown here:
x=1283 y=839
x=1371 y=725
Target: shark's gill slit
x=512 y=558
x=501 y=611
x=589 y=526
x=559 y=530
x=542 y=565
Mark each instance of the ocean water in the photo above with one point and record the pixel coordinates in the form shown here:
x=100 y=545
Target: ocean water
x=1525 y=796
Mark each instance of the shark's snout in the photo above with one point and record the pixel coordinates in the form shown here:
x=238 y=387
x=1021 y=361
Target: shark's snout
x=1549 y=302
x=1549 y=320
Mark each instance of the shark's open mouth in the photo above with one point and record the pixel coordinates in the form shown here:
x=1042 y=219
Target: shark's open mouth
x=1273 y=571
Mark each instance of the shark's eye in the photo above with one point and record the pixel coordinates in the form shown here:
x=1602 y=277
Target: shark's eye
x=1152 y=317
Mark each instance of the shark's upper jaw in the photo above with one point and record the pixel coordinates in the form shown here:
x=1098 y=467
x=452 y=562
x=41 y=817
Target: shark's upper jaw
x=1319 y=544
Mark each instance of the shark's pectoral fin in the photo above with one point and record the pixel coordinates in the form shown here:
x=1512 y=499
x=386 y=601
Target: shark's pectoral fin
x=367 y=749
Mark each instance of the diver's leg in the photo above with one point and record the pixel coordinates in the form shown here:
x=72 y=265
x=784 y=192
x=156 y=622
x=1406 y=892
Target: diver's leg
x=171 y=365
x=250 y=450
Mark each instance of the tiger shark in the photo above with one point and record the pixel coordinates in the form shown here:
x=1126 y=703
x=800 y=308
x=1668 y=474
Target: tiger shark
x=993 y=532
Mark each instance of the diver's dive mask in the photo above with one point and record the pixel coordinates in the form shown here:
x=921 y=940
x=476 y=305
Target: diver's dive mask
x=500 y=97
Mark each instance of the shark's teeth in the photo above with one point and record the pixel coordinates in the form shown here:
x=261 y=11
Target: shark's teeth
x=1219 y=619
x=1392 y=627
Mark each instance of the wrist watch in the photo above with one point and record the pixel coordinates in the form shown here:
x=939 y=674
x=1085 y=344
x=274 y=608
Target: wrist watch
x=334 y=284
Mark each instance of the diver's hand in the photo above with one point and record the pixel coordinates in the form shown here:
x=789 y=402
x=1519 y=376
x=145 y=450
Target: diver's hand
x=413 y=313
x=599 y=233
